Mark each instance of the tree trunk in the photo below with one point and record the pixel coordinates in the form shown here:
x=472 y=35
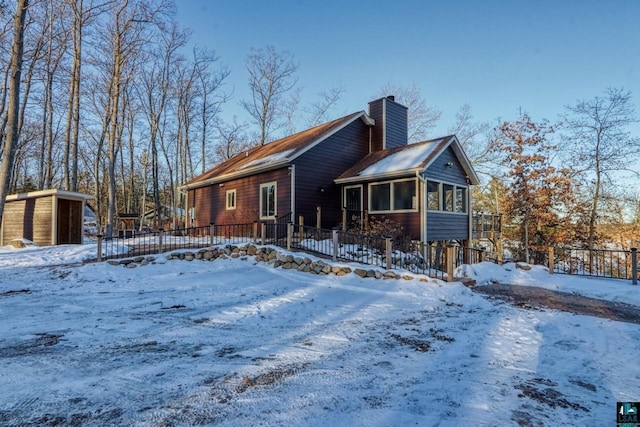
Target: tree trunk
x=11 y=139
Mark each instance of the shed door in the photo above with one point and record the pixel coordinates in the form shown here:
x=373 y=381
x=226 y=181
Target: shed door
x=70 y=219
x=353 y=205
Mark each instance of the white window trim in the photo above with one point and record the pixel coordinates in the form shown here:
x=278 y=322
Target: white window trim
x=235 y=199
x=441 y=197
x=391 y=187
x=275 y=199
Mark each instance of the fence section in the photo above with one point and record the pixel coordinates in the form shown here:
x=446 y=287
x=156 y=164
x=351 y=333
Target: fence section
x=432 y=260
x=615 y=264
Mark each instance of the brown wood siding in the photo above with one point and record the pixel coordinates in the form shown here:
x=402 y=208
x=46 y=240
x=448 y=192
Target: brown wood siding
x=318 y=167
x=210 y=201
x=28 y=219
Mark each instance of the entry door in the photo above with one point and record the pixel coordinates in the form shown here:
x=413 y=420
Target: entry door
x=353 y=205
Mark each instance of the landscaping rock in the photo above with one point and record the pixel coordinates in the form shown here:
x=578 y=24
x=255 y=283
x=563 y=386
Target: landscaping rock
x=523 y=266
x=360 y=272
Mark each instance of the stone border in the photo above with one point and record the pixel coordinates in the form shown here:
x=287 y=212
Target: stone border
x=270 y=256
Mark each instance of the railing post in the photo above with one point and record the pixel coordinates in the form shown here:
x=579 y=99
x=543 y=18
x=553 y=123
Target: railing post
x=160 y=232
x=301 y=225
x=99 y=257
x=318 y=217
x=634 y=266
x=263 y=233
x=212 y=232
x=255 y=231
x=289 y=234
x=552 y=260
x=334 y=236
x=344 y=219
x=450 y=255
x=388 y=249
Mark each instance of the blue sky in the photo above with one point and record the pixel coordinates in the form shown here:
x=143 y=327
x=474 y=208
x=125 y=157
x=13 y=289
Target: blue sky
x=496 y=56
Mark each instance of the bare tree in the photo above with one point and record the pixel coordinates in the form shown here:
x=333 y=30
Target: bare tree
x=11 y=140
x=233 y=139
x=211 y=93
x=599 y=143
x=422 y=117
x=477 y=139
x=81 y=16
x=271 y=76
x=318 y=111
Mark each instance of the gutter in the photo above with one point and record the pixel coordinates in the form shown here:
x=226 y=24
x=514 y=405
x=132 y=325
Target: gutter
x=378 y=176
x=238 y=174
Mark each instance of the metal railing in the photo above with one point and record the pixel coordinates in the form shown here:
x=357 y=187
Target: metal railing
x=159 y=241
x=615 y=264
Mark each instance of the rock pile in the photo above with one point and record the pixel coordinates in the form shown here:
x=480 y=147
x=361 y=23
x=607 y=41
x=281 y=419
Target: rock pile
x=267 y=255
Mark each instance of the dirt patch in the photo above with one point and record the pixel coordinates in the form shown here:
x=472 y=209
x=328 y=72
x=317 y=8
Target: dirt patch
x=535 y=298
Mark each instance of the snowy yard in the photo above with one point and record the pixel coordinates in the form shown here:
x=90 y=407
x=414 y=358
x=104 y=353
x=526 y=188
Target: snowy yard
x=232 y=342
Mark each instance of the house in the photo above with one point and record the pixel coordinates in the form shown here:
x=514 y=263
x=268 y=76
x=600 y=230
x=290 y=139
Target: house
x=47 y=217
x=356 y=165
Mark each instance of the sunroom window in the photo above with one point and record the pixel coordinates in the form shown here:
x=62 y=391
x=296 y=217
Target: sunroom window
x=433 y=196
x=446 y=197
x=393 y=196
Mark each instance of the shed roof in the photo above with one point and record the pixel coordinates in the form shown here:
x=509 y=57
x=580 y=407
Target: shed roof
x=63 y=194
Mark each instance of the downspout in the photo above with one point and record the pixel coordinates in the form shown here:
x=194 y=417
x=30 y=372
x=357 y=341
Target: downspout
x=423 y=207
x=470 y=214
x=292 y=172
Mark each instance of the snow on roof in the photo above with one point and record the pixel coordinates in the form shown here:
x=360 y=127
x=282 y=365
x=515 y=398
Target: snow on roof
x=409 y=158
x=273 y=158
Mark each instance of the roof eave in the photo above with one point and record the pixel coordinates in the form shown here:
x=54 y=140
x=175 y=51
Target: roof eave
x=378 y=176
x=235 y=175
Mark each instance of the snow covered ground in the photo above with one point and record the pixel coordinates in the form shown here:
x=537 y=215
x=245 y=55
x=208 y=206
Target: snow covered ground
x=234 y=342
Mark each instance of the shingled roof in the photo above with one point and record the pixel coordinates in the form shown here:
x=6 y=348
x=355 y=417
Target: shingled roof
x=405 y=160
x=274 y=154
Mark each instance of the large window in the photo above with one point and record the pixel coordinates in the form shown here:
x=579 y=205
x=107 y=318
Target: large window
x=231 y=199
x=268 y=200
x=392 y=196
x=446 y=197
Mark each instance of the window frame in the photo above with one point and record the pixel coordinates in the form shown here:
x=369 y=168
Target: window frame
x=275 y=200
x=231 y=206
x=455 y=188
x=391 y=183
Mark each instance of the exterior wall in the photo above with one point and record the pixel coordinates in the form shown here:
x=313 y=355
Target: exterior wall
x=318 y=167
x=376 y=112
x=439 y=171
x=210 y=201
x=29 y=219
x=391 y=128
x=448 y=225
x=410 y=221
